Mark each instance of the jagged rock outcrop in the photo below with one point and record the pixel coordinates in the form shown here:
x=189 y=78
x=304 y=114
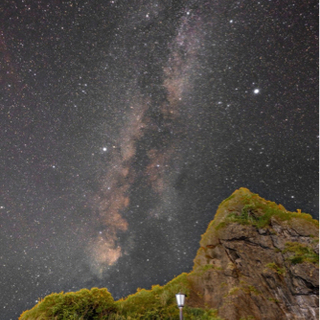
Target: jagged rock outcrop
x=257 y=261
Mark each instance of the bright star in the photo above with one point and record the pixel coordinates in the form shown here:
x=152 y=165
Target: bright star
x=256 y=91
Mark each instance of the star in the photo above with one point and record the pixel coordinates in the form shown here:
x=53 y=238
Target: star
x=125 y=124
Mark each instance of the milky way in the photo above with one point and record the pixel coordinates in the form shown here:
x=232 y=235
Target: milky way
x=125 y=124
x=114 y=196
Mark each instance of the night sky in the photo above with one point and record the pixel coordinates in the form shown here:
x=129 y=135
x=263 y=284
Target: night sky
x=124 y=124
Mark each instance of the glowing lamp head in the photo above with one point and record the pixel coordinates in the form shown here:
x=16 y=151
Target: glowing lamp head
x=180 y=299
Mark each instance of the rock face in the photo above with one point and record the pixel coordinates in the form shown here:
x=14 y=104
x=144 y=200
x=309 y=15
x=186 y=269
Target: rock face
x=257 y=261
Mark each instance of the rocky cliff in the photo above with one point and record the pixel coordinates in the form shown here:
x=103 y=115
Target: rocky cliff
x=257 y=261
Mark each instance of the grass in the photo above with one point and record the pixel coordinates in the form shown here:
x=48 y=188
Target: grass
x=274 y=300
x=203 y=269
x=301 y=253
x=246 y=288
x=258 y=212
x=273 y=266
x=227 y=199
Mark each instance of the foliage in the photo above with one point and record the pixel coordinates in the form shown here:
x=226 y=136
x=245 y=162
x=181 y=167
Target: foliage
x=85 y=304
x=258 y=212
x=157 y=303
x=251 y=290
x=203 y=269
x=233 y=291
x=273 y=266
x=245 y=288
x=274 y=300
x=227 y=199
x=302 y=253
x=160 y=303
x=203 y=314
x=155 y=299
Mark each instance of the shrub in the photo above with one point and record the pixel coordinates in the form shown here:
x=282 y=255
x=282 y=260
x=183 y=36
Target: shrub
x=94 y=304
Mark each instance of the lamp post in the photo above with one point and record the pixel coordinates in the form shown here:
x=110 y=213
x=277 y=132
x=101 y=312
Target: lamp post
x=180 y=302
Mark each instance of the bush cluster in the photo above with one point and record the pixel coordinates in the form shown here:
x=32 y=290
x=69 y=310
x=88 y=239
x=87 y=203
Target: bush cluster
x=157 y=303
x=94 y=304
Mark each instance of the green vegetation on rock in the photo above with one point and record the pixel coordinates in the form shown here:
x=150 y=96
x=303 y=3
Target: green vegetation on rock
x=244 y=288
x=82 y=305
x=302 y=253
x=273 y=266
x=258 y=212
x=160 y=303
x=247 y=208
x=94 y=304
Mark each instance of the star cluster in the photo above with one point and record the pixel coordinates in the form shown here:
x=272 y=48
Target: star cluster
x=125 y=123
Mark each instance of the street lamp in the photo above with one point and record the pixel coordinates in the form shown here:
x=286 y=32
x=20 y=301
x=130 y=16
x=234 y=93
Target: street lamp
x=180 y=302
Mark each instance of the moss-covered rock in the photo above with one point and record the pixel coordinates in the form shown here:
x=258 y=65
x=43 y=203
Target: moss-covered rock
x=259 y=242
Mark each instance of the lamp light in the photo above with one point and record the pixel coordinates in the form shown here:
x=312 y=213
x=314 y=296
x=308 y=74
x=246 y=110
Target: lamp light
x=180 y=302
